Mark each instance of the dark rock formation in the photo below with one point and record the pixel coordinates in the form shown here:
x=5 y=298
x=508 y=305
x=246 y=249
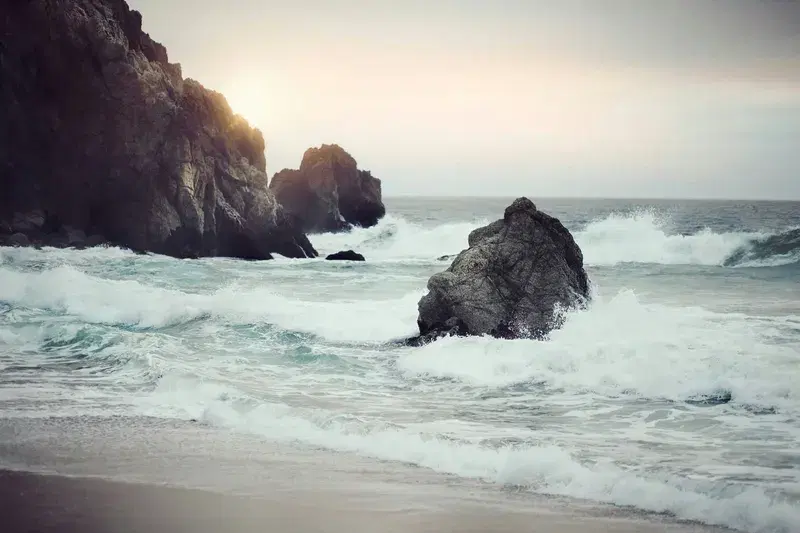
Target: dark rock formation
x=329 y=193
x=347 y=255
x=37 y=228
x=101 y=134
x=509 y=283
x=18 y=239
x=28 y=222
x=94 y=240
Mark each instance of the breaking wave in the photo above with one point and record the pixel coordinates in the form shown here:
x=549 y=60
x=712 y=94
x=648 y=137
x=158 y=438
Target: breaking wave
x=540 y=468
x=616 y=239
x=774 y=250
x=644 y=238
x=395 y=238
x=621 y=346
x=66 y=290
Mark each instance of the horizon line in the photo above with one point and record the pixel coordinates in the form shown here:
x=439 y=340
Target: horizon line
x=566 y=197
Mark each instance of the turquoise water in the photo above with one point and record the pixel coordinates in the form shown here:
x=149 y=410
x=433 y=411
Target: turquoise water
x=676 y=391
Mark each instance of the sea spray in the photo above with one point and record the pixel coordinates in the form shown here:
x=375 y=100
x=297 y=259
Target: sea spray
x=621 y=346
x=394 y=238
x=640 y=237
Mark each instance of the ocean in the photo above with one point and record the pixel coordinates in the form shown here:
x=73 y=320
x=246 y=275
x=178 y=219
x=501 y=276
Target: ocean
x=676 y=392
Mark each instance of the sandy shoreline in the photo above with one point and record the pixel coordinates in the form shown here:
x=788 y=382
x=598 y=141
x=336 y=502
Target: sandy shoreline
x=45 y=503
x=138 y=475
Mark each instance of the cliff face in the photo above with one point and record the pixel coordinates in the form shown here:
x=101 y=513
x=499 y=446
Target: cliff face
x=328 y=192
x=102 y=134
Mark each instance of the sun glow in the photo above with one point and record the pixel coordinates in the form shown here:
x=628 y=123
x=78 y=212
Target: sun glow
x=250 y=99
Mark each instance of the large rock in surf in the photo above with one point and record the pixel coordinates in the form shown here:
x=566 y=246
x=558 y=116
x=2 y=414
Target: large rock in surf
x=509 y=283
x=328 y=193
x=102 y=136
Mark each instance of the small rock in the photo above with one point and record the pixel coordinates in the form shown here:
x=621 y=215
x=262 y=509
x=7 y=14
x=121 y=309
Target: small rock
x=18 y=239
x=452 y=327
x=347 y=255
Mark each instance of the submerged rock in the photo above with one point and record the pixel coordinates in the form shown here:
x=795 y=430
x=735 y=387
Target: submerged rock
x=102 y=134
x=347 y=255
x=509 y=283
x=328 y=193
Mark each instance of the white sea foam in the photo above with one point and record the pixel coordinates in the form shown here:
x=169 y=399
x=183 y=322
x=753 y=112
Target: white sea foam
x=777 y=260
x=621 y=346
x=642 y=237
x=397 y=239
x=543 y=469
x=65 y=289
x=71 y=255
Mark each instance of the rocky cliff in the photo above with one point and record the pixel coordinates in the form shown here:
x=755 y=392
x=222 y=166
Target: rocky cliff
x=328 y=193
x=102 y=135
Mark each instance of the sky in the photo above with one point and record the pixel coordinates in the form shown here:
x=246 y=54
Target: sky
x=593 y=98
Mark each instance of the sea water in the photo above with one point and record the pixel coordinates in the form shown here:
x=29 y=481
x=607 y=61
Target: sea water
x=676 y=391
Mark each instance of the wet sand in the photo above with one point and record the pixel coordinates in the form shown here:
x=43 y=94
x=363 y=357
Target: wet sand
x=45 y=503
x=143 y=476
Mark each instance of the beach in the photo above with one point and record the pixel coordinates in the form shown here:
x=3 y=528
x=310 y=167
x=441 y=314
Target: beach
x=139 y=475
x=443 y=266
x=282 y=386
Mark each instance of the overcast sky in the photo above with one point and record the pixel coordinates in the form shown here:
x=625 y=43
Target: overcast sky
x=694 y=98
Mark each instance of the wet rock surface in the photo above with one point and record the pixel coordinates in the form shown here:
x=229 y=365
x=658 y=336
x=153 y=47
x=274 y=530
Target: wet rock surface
x=346 y=255
x=511 y=282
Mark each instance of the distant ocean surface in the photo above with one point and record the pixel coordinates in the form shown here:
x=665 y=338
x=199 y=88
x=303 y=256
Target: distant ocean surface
x=677 y=391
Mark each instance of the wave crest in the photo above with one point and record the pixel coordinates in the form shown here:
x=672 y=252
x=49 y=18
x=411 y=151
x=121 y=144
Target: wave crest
x=641 y=237
x=395 y=238
x=66 y=290
x=775 y=250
